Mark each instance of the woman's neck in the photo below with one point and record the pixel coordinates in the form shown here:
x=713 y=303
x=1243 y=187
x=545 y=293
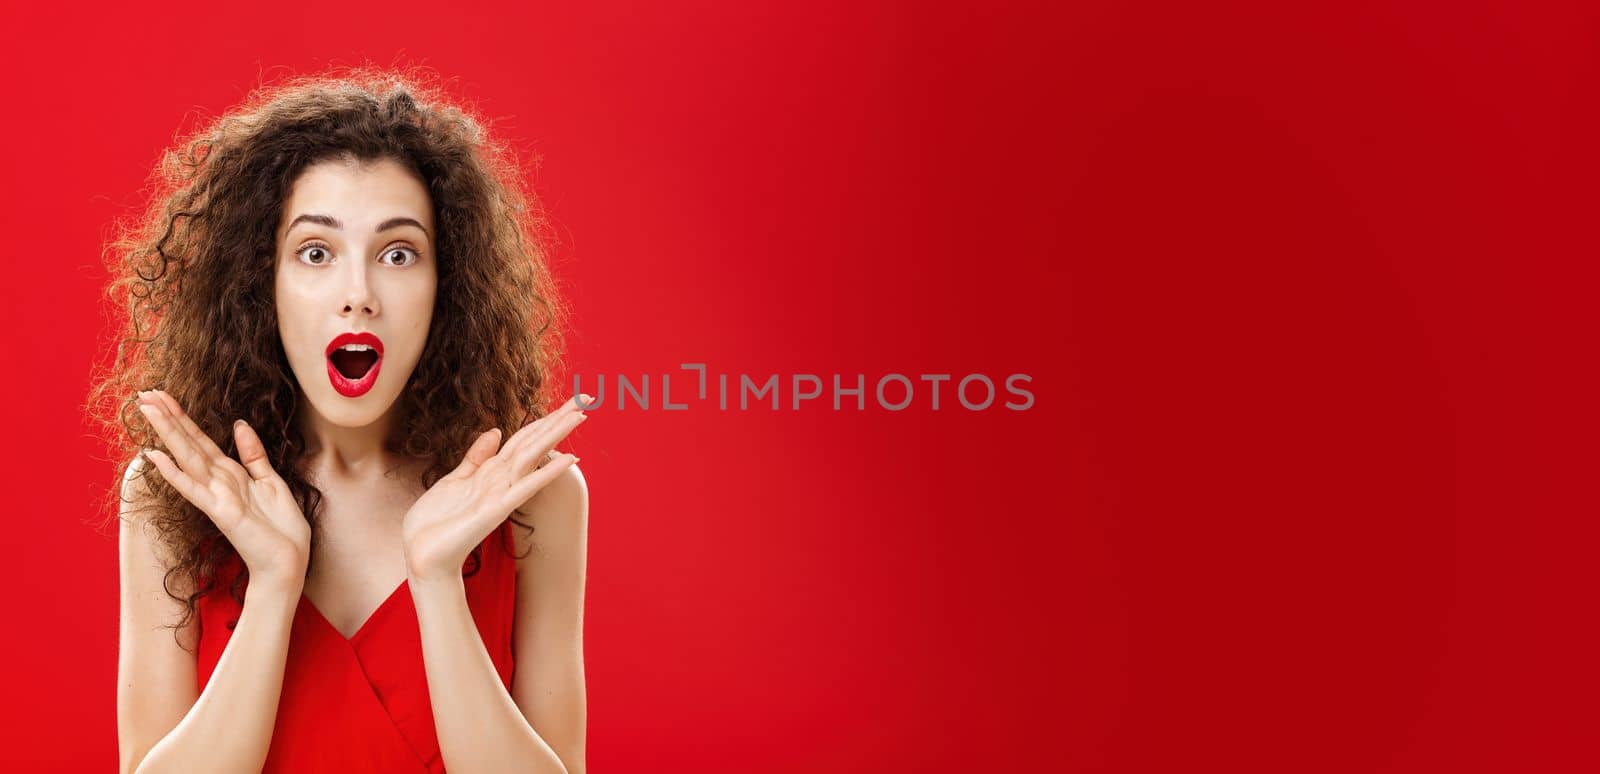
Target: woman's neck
x=334 y=450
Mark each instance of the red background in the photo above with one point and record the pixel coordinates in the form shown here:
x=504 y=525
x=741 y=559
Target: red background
x=1305 y=296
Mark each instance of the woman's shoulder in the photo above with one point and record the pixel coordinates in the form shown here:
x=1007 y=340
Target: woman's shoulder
x=144 y=540
x=559 y=513
x=140 y=539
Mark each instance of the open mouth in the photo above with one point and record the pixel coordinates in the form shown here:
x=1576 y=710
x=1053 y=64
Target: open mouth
x=354 y=364
x=354 y=360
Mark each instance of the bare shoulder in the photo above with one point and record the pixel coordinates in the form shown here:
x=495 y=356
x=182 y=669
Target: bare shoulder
x=559 y=514
x=135 y=488
x=143 y=554
x=138 y=505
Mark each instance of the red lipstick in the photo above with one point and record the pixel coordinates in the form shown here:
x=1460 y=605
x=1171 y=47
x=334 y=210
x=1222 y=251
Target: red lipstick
x=358 y=386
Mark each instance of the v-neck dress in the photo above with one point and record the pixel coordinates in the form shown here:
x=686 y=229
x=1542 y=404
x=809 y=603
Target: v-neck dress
x=361 y=704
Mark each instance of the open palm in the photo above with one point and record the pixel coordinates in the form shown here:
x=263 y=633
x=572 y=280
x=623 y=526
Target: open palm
x=464 y=506
x=249 y=502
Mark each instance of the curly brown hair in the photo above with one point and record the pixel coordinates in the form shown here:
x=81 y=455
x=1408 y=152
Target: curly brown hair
x=201 y=321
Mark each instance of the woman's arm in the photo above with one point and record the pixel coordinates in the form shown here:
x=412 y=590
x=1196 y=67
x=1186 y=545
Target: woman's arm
x=481 y=726
x=162 y=725
x=548 y=682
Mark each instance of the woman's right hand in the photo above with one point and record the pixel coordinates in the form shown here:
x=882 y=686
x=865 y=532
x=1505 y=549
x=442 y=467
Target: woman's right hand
x=249 y=503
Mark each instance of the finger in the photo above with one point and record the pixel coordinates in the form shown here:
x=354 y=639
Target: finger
x=192 y=490
x=552 y=429
x=184 y=453
x=540 y=450
x=572 y=406
x=179 y=480
x=538 y=445
x=252 y=453
x=481 y=451
x=524 y=489
x=202 y=441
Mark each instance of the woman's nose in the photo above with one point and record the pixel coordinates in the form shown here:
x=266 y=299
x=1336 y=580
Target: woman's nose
x=358 y=292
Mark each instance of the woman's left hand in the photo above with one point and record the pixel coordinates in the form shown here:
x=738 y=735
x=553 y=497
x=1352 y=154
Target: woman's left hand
x=461 y=509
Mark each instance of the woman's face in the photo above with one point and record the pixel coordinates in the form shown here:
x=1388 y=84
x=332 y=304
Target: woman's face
x=355 y=255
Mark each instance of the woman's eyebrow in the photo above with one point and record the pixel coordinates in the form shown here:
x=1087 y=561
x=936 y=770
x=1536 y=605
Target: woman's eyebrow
x=332 y=222
x=400 y=221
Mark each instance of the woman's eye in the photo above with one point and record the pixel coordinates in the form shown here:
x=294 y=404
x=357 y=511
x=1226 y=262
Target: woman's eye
x=308 y=251
x=402 y=252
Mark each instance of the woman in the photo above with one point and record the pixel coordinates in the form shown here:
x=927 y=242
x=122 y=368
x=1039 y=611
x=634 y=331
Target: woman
x=337 y=286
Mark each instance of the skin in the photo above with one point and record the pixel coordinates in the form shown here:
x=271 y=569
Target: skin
x=380 y=529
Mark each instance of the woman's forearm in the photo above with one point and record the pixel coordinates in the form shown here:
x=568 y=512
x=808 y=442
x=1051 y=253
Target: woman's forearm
x=480 y=727
x=229 y=728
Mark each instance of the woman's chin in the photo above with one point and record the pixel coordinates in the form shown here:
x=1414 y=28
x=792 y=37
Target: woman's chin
x=349 y=412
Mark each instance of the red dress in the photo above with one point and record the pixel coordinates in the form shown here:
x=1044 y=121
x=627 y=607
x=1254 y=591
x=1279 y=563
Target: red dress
x=361 y=704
